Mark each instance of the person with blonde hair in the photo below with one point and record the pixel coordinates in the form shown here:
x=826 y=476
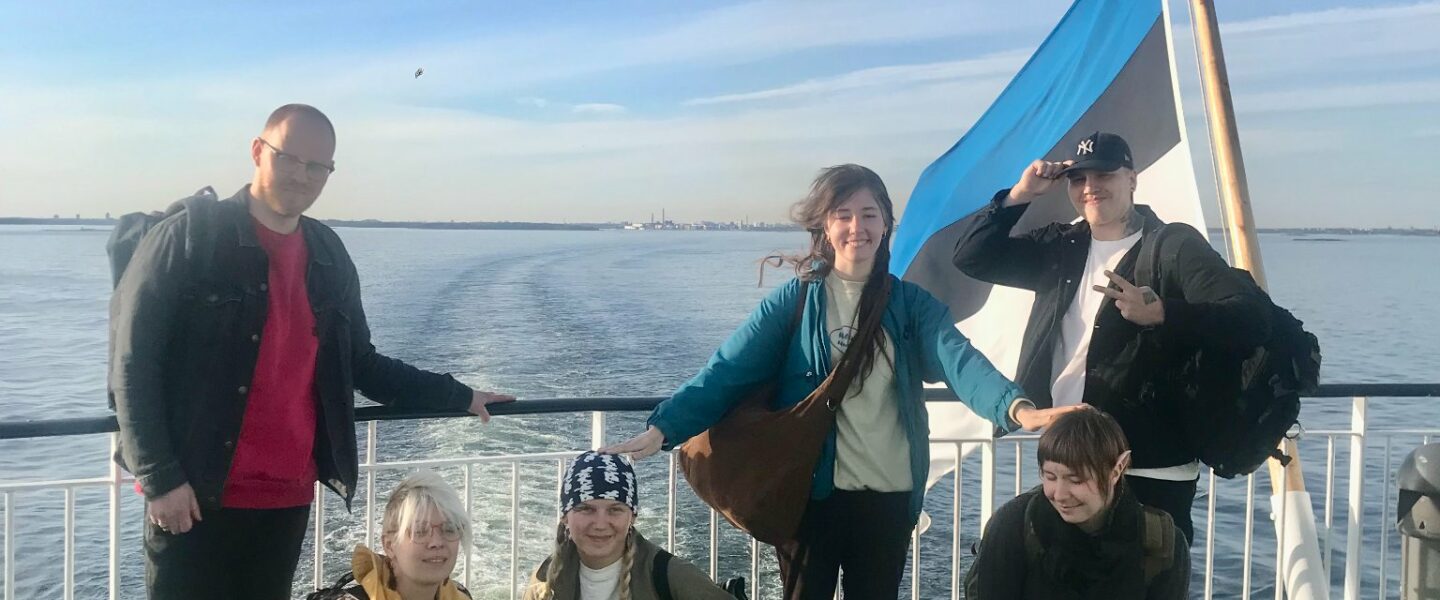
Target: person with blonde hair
x=598 y=553
x=424 y=527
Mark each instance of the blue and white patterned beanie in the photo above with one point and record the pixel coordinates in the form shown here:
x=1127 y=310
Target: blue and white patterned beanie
x=595 y=475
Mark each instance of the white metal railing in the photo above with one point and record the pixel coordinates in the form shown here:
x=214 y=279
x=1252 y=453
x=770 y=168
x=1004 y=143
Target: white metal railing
x=1358 y=562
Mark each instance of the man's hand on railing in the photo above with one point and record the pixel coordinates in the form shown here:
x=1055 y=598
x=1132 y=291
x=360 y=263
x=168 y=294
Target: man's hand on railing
x=640 y=446
x=480 y=399
x=176 y=511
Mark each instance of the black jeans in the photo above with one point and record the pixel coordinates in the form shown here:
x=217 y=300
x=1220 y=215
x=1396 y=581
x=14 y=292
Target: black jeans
x=232 y=553
x=865 y=534
x=1174 y=497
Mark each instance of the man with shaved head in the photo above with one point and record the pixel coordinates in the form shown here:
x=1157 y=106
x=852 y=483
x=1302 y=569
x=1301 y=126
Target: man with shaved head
x=238 y=343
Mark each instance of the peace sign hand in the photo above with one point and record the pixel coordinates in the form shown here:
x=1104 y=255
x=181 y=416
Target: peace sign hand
x=1139 y=305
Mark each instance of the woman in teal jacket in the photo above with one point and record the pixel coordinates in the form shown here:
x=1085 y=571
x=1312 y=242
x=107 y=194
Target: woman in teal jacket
x=884 y=338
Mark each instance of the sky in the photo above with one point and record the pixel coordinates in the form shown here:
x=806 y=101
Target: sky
x=611 y=111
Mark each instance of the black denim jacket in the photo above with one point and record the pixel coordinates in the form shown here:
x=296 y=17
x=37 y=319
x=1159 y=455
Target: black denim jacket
x=186 y=320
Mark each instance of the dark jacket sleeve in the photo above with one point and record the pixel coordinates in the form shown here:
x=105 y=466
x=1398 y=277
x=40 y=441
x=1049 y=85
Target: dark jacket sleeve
x=1173 y=583
x=988 y=253
x=142 y=310
x=1217 y=307
x=1000 y=567
x=390 y=381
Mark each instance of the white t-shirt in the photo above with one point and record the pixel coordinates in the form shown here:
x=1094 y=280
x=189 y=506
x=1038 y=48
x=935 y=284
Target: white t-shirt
x=872 y=450
x=1067 y=386
x=600 y=584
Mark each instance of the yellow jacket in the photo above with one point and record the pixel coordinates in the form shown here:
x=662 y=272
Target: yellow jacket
x=375 y=581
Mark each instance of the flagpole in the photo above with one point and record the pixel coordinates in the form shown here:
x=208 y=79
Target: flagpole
x=1244 y=243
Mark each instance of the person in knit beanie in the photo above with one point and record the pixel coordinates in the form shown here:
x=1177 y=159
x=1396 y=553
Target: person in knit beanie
x=598 y=553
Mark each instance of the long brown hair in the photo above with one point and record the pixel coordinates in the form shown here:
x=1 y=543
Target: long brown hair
x=830 y=189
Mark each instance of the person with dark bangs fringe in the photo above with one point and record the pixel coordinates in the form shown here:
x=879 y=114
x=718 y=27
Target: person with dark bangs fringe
x=1081 y=534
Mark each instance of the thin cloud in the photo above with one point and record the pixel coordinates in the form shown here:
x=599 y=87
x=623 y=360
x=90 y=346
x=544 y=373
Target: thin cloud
x=889 y=77
x=1342 y=96
x=1334 y=16
x=598 y=109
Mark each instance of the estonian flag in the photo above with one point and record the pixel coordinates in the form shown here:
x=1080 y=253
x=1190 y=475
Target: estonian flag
x=1108 y=66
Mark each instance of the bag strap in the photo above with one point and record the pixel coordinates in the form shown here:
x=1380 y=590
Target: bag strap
x=1159 y=539
x=1034 y=550
x=803 y=297
x=338 y=591
x=1149 y=258
x=660 y=575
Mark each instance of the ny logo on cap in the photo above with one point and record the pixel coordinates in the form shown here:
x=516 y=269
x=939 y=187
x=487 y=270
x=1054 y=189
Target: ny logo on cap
x=1086 y=146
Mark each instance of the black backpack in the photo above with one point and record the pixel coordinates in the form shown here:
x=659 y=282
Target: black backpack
x=1236 y=434
x=131 y=228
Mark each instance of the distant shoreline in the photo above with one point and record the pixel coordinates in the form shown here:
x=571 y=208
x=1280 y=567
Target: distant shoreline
x=450 y=225
x=702 y=226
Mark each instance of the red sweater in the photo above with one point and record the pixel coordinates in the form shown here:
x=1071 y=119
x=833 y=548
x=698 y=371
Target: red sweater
x=274 y=464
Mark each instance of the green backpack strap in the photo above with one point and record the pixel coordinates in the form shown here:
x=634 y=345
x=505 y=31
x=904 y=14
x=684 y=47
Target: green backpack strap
x=1034 y=550
x=660 y=575
x=1159 y=543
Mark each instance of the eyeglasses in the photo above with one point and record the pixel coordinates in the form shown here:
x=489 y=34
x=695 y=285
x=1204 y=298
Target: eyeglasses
x=421 y=532
x=289 y=162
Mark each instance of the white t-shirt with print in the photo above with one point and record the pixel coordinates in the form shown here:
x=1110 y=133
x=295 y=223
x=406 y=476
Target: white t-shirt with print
x=872 y=448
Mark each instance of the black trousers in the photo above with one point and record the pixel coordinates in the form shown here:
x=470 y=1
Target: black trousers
x=233 y=553
x=1174 y=497
x=865 y=534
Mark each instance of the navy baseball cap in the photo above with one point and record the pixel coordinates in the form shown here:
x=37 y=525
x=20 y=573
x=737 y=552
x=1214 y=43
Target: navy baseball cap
x=1101 y=152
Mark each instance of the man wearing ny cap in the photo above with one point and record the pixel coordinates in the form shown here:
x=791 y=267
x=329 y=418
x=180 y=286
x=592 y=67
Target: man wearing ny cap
x=1096 y=336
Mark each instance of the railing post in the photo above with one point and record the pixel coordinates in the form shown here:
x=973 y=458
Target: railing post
x=987 y=484
x=915 y=564
x=465 y=574
x=754 y=569
x=1249 y=537
x=597 y=430
x=9 y=546
x=371 y=438
x=1329 y=503
x=955 y=522
x=514 y=529
x=1210 y=538
x=319 y=571
x=114 y=519
x=1356 y=510
x=714 y=543
x=670 y=504
x=69 y=543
